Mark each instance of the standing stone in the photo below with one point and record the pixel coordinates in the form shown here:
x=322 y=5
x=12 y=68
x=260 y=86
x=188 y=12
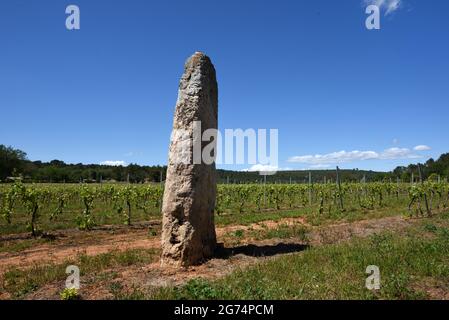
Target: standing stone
x=188 y=230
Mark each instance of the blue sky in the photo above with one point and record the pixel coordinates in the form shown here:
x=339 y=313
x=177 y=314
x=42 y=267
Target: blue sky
x=311 y=69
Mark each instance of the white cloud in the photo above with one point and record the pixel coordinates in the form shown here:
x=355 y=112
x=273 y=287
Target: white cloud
x=262 y=167
x=397 y=153
x=392 y=6
x=356 y=155
x=389 y=6
x=320 y=166
x=335 y=157
x=422 y=147
x=265 y=169
x=113 y=163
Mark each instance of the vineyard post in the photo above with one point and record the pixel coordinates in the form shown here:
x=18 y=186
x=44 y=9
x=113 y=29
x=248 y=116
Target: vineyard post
x=397 y=184
x=339 y=188
x=160 y=178
x=425 y=193
x=310 y=188
x=161 y=196
x=364 y=185
x=264 y=185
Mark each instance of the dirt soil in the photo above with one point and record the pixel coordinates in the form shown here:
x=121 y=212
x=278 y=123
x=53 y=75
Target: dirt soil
x=69 y=244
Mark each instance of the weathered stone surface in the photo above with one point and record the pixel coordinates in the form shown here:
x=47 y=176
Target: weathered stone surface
x=188 y=230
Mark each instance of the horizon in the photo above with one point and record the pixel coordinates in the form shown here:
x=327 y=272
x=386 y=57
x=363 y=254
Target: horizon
x=338 y=93
x=244 y=170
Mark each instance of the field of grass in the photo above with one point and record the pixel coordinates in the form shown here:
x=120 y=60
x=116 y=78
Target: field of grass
x=18 y=282
x=102 y=214
x=414 y=262
x=60 y=206
x=70 y=206
x=410 y=263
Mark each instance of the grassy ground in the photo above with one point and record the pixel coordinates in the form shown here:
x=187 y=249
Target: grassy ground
x=352 y=213
x=248 y=218
x=17 y=246
x=412 y=265
x=18 y=282
x=282 y=231
x=103 y=214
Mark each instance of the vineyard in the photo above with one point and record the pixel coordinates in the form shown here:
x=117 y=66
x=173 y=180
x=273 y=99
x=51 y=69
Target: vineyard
x=45 y=207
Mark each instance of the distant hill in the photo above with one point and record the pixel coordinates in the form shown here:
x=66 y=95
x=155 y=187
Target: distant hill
x=13 y=164
x=300 y=176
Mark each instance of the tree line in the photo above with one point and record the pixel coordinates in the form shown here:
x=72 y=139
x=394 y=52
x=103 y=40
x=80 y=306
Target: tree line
x=15 y=165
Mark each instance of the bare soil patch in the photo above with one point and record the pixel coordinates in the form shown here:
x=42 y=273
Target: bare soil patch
x=228 y=258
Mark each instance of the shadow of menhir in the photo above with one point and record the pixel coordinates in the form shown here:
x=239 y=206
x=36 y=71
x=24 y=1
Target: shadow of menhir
x=259 y=251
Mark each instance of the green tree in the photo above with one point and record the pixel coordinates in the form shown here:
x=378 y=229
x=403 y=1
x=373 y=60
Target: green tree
x=11 y=160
